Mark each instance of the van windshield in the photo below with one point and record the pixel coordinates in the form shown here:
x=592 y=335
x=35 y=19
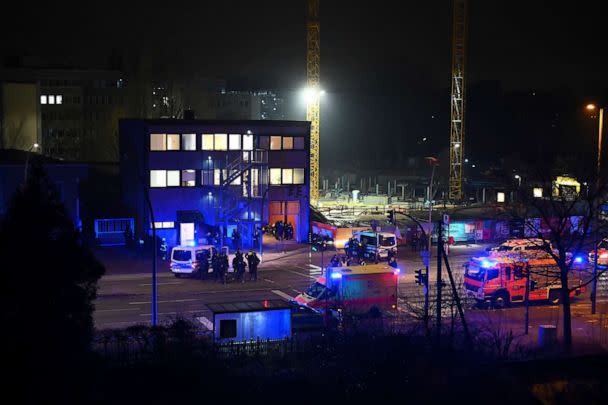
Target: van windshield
x=182 y=255
x=368 y=240
x=475 y=272
x=315 y=290
x=387 y=241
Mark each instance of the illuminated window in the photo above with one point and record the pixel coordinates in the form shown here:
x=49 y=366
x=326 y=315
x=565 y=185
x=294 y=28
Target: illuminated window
x=275 y=143
x=207 y=142
x=298 y=143
x=221 y=142
x=172 y=178
x=207 y=177
x=237 y=180
x=51 y=99
x=538 y=192
x=264 y=142
x=235 y=141
x=287 y=142
x=219 y=176
x=500 y=197
x=163 y=225
x=59 y=99
x=188 y=178
x=158 y=142
x=168 y=225
x=287 y=176
x=188 y=141
x=172 y=141
x=43 y=100
x=247 y=142
x=298 y=176
x=158 y=178
x=275 y=176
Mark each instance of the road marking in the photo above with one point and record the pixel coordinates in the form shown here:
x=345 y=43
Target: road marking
x=195 y=311
x=300 y=274
x=117 y=310
x=149 y=284
x=164 y=302
x=206 y=322
x=282 y=294
x=296 y=291
x=270 y=281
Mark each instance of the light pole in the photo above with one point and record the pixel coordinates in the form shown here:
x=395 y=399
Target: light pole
x=434 y=163
x=27 y=161
x=592 y=107
x=518 y=178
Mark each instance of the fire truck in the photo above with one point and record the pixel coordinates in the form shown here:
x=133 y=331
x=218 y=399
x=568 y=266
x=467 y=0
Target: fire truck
x=602 y=254
x=503 y=280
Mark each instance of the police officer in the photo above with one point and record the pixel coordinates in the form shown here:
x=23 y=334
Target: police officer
x=253 y=260
x=204 y=266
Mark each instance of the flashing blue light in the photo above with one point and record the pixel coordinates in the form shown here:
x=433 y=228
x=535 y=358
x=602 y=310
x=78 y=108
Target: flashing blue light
x=486 y=264
x=578 y=259
x=397 y=271
x=336 y=275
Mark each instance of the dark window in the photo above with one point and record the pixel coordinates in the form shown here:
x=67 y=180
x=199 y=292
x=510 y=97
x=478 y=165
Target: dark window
x=492 y=274
x=228 y=328
x=518 y=274
x=508 y=273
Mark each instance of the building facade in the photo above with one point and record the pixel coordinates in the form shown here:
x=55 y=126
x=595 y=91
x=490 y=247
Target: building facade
x=204 y=177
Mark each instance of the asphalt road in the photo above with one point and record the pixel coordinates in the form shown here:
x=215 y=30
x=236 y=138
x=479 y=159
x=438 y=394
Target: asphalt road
x=124 y=293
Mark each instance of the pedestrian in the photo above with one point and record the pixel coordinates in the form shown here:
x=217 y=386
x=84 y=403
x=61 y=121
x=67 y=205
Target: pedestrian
x=392 y=261
x=256 y=238
x=163 y=249
x=204 y=265
x=253 y=260
x=335 y=261
x=128 y=235
x=280 y=230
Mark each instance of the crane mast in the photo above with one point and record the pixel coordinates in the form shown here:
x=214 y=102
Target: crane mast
x=313 y=56
x=457 y=100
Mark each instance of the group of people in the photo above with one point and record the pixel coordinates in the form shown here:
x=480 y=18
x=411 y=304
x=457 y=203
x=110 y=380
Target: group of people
x=418 y=242
x=339 y=260
x=357 y=250
x=281 y=230
x=219 y=263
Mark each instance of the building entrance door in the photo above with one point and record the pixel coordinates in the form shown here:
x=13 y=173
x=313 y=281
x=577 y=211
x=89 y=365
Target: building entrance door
x=286 y=211
x=186 y=233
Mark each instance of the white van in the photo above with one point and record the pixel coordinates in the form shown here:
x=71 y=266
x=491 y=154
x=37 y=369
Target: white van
x=377 y=242
x=186 y=260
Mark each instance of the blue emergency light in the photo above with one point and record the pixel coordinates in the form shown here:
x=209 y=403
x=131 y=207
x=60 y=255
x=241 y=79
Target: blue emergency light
x=336 y=275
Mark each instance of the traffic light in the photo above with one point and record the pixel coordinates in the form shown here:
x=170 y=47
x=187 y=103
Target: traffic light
x=420 y=277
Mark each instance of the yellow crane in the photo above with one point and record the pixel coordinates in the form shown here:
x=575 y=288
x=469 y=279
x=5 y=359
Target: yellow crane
x=313 y=57
x=457 y=100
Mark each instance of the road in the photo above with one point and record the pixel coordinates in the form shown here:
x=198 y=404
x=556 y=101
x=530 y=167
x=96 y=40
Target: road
x=124 y=293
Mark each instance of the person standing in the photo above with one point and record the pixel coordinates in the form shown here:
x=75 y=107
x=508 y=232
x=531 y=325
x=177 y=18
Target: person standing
x=253 y=260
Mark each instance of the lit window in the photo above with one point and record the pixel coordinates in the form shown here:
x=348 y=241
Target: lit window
x=221 y=142
x=287 y=176
x=188 y=141
x=500 y=197
x=163 y=225
x=158 y=178
x=235 y=141
x=59 y=99
x=275 y=176
x=172 y=141
x=172 y=178
x=264 y=142
x=247 y=142
x=43 y=100
x=298 y=143
x=538 y=192
x=298 y=176
x=219 y=176
x=158 y=142
x=188 y=178
x=287 y=142
x=51 y=99
x=168 y=225
x=207 y=142
x=275 y=143
x=207 y=177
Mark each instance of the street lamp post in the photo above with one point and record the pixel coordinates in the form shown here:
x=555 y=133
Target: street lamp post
x=434 y=162
x=27 y=161
x=518 y=178
x=592 y=107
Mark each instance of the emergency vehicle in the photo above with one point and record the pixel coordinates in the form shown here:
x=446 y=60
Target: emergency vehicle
x=503 y=280
x=380 y=243
x=602 y=254
x=354 y=290
x=186 y=260
x=523 y=247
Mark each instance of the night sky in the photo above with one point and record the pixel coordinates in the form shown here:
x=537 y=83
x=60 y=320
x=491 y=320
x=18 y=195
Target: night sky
x=385 y=65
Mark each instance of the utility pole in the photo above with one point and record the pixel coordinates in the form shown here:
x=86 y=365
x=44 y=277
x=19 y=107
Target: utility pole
x=458 y=303
x=599 y=166
x=439 y=281
x=527 y=297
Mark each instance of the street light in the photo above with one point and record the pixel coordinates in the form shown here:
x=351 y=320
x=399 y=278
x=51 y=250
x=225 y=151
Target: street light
x=312 y=94
x=593 y=107
x=27 y=161
x=518 y=177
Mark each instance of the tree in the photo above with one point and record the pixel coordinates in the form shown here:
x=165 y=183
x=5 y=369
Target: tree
x=48 y=281
x=565 y=224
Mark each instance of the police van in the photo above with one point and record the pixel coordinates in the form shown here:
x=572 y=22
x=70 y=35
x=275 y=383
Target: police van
x=187 y=260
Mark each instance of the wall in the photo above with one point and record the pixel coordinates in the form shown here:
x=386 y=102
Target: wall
x=20 y=116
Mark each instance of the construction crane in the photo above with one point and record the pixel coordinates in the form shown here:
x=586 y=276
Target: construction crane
x=313 y=57
x=458 y=100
